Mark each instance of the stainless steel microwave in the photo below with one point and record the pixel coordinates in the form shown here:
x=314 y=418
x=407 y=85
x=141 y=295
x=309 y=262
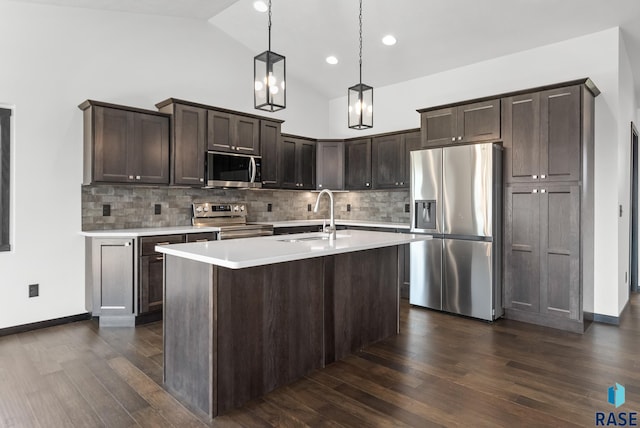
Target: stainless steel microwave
x=233 y=170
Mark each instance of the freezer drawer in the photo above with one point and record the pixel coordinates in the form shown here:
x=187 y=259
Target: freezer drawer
x=467 y=278
x=425 y=286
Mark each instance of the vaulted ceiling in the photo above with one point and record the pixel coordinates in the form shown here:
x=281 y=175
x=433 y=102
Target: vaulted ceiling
x=432 y=36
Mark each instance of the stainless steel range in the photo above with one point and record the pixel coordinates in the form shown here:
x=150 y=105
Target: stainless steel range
x=231 y=218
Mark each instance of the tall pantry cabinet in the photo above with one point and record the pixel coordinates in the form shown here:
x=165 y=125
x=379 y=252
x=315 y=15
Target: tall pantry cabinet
x=548 y=139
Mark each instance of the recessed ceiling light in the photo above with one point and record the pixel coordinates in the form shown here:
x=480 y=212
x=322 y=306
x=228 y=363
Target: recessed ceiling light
x=332 y=60
x=389 y=40
x=260 y=6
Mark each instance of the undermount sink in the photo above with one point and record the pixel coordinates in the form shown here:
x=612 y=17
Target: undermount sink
x=324 y=237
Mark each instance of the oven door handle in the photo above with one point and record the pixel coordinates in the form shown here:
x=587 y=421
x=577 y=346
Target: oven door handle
x=250 y=233
x=252 y=169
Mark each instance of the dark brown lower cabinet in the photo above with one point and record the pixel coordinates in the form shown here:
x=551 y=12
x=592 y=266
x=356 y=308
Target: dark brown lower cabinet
x=151 y=283
x=232 y=335
x=542 y=254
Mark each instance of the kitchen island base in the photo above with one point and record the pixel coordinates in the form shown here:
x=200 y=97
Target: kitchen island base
x=231 y=335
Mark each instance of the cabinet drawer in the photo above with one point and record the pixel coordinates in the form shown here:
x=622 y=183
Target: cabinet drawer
x=201 y=237
x=148 y=243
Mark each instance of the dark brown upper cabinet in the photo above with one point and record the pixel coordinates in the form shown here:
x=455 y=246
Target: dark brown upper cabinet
x=188 y=145
x=234 y=133
x=390 y=159
x=124 y=144
x=270 y=152
x=542 y=136
x=298 y=163
x=461 y=124
x=330 y=165
x=357 y=164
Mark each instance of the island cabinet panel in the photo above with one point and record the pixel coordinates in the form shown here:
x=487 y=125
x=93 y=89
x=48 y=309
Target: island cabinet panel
x=361 y=293
x=189 y=364
x=269 y=328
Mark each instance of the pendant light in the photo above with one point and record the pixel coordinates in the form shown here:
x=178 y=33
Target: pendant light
x=269 y=73
x=360 y=97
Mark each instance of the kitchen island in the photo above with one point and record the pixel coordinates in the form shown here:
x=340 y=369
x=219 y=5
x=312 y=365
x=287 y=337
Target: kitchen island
x=244 y=316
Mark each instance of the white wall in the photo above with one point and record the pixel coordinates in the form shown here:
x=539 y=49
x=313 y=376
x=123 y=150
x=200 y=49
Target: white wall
x=628 y=106
x=53 y=58
x=595 y=56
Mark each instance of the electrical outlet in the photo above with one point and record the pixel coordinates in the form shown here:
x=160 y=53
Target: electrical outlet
x=348 y=207
x=407 y=208
x=34 y=290
x=157 y=209
x=269 y=207
x=308 y=207
x=106 y=210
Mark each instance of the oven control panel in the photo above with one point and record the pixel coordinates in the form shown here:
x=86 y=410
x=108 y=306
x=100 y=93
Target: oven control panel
x=210 y=209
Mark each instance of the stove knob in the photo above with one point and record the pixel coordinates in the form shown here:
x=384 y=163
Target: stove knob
x=236 y=208
x=198 y=209
x=206 y=208
x=241 y=207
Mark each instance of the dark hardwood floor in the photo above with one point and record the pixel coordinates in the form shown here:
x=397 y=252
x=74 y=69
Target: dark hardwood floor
x=442 y=370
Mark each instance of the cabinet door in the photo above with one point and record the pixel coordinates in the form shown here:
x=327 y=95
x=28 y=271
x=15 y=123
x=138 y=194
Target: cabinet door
x=151 y=277
x=479 y=122
x=306 y=164
x=246 y=135
x=522 y=247
x=439 y=127
x=412 y=141
x=358 y=164
x=387 y=161
x=112 y=270
x=150 y=158
x=288 y=164
x=330 y=165
x=560 y=134
x=521 y=137
x=560 y=251
x=219 y=131
x=112 y=136
x=269 y=150
x=189 y=145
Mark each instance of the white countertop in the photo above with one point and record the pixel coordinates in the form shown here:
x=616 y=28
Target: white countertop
x=249 y=252
x=174 y=230
x=362 y=223
x=147 y=231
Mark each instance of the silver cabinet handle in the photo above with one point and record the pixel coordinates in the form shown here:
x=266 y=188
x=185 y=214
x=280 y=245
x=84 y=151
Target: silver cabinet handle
x=459 y=138
x=366 y=184
x=201 y=180
x=163 y=243
x=319 y=185
x=535 y=177
x=202 y=240
x=535 y=191
x=159 y=258
x=127 y=244
x=543 y=176
x=131 y=177
x=397 y=184
x=137 y=177
x=402 y=183
x=453 y=138
x=543 y=191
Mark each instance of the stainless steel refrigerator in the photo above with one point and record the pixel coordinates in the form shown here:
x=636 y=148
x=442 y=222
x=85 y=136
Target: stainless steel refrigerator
x=456 y=197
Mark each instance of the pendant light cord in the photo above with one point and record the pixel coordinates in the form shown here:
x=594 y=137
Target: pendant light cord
x=360 y=20
x=269 y=25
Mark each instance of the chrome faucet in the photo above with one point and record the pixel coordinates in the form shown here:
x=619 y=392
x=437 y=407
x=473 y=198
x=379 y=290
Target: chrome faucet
x=331 y=229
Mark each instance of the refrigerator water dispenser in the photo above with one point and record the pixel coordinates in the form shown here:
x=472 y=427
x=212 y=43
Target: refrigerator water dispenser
x=425 y=212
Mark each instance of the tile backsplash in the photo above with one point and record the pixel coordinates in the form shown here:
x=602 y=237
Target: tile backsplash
x=134 y=206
